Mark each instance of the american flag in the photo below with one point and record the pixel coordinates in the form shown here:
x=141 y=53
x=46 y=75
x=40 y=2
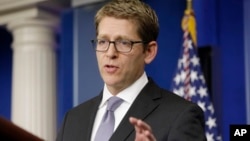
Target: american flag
x=189 y=81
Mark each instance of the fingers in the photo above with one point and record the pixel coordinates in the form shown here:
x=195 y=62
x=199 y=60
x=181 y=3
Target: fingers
x=139 y=124
x=142 y=129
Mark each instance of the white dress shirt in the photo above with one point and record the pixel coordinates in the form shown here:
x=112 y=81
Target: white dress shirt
x=128 y=95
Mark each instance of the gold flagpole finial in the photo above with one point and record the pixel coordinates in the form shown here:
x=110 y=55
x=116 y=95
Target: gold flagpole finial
x=189 y=23
x=189 y=4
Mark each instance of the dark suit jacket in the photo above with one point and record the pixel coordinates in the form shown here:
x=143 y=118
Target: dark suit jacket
x=171 y=118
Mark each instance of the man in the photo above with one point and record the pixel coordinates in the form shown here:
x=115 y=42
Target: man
x=126 y=33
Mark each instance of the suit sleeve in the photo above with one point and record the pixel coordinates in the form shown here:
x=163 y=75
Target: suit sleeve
x=189 y=125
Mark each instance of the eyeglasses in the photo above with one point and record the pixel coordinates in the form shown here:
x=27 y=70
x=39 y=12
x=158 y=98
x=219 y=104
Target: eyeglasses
x=123 y=46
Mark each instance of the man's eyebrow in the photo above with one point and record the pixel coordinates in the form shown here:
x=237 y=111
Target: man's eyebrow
x=116 y=38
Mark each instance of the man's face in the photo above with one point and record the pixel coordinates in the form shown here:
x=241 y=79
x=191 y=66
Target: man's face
x=119 y=70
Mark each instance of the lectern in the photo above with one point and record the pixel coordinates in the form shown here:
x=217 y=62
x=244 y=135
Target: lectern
x=11 y=132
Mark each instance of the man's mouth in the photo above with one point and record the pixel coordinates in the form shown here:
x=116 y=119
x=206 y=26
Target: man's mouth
x=110 y=68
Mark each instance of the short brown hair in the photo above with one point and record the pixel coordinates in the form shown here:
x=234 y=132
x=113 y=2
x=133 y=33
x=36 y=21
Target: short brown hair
x=142 y=14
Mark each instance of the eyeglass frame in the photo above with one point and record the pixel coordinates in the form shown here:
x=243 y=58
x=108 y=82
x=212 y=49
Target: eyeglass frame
x=94 y=44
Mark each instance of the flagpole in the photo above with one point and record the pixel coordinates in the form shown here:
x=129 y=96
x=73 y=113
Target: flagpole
x=189 y=4
x=189 y=22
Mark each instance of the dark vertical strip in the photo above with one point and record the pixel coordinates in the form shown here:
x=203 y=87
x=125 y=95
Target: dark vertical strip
x=65 y=66
x=5 y=73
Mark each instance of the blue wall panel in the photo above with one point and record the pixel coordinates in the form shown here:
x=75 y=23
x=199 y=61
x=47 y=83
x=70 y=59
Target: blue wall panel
x=87 y=81
x=231 y=44
x=170 y=14
x=5 y=73
x=65 y=66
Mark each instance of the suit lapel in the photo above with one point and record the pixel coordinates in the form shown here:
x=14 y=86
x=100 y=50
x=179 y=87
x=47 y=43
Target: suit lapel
x=143 y=105
x=87 y=124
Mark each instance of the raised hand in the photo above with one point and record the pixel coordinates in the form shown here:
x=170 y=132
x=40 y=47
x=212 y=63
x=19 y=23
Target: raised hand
x=142 y=129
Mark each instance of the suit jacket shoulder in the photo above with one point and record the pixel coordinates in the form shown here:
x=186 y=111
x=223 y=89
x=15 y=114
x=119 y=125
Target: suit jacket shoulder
x=170 y=116
x=78 y=121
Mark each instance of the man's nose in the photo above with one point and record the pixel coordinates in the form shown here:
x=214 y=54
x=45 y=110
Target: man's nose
x=112 y=51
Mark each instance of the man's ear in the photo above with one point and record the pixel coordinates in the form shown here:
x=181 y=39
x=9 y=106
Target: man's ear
x=151 y=51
